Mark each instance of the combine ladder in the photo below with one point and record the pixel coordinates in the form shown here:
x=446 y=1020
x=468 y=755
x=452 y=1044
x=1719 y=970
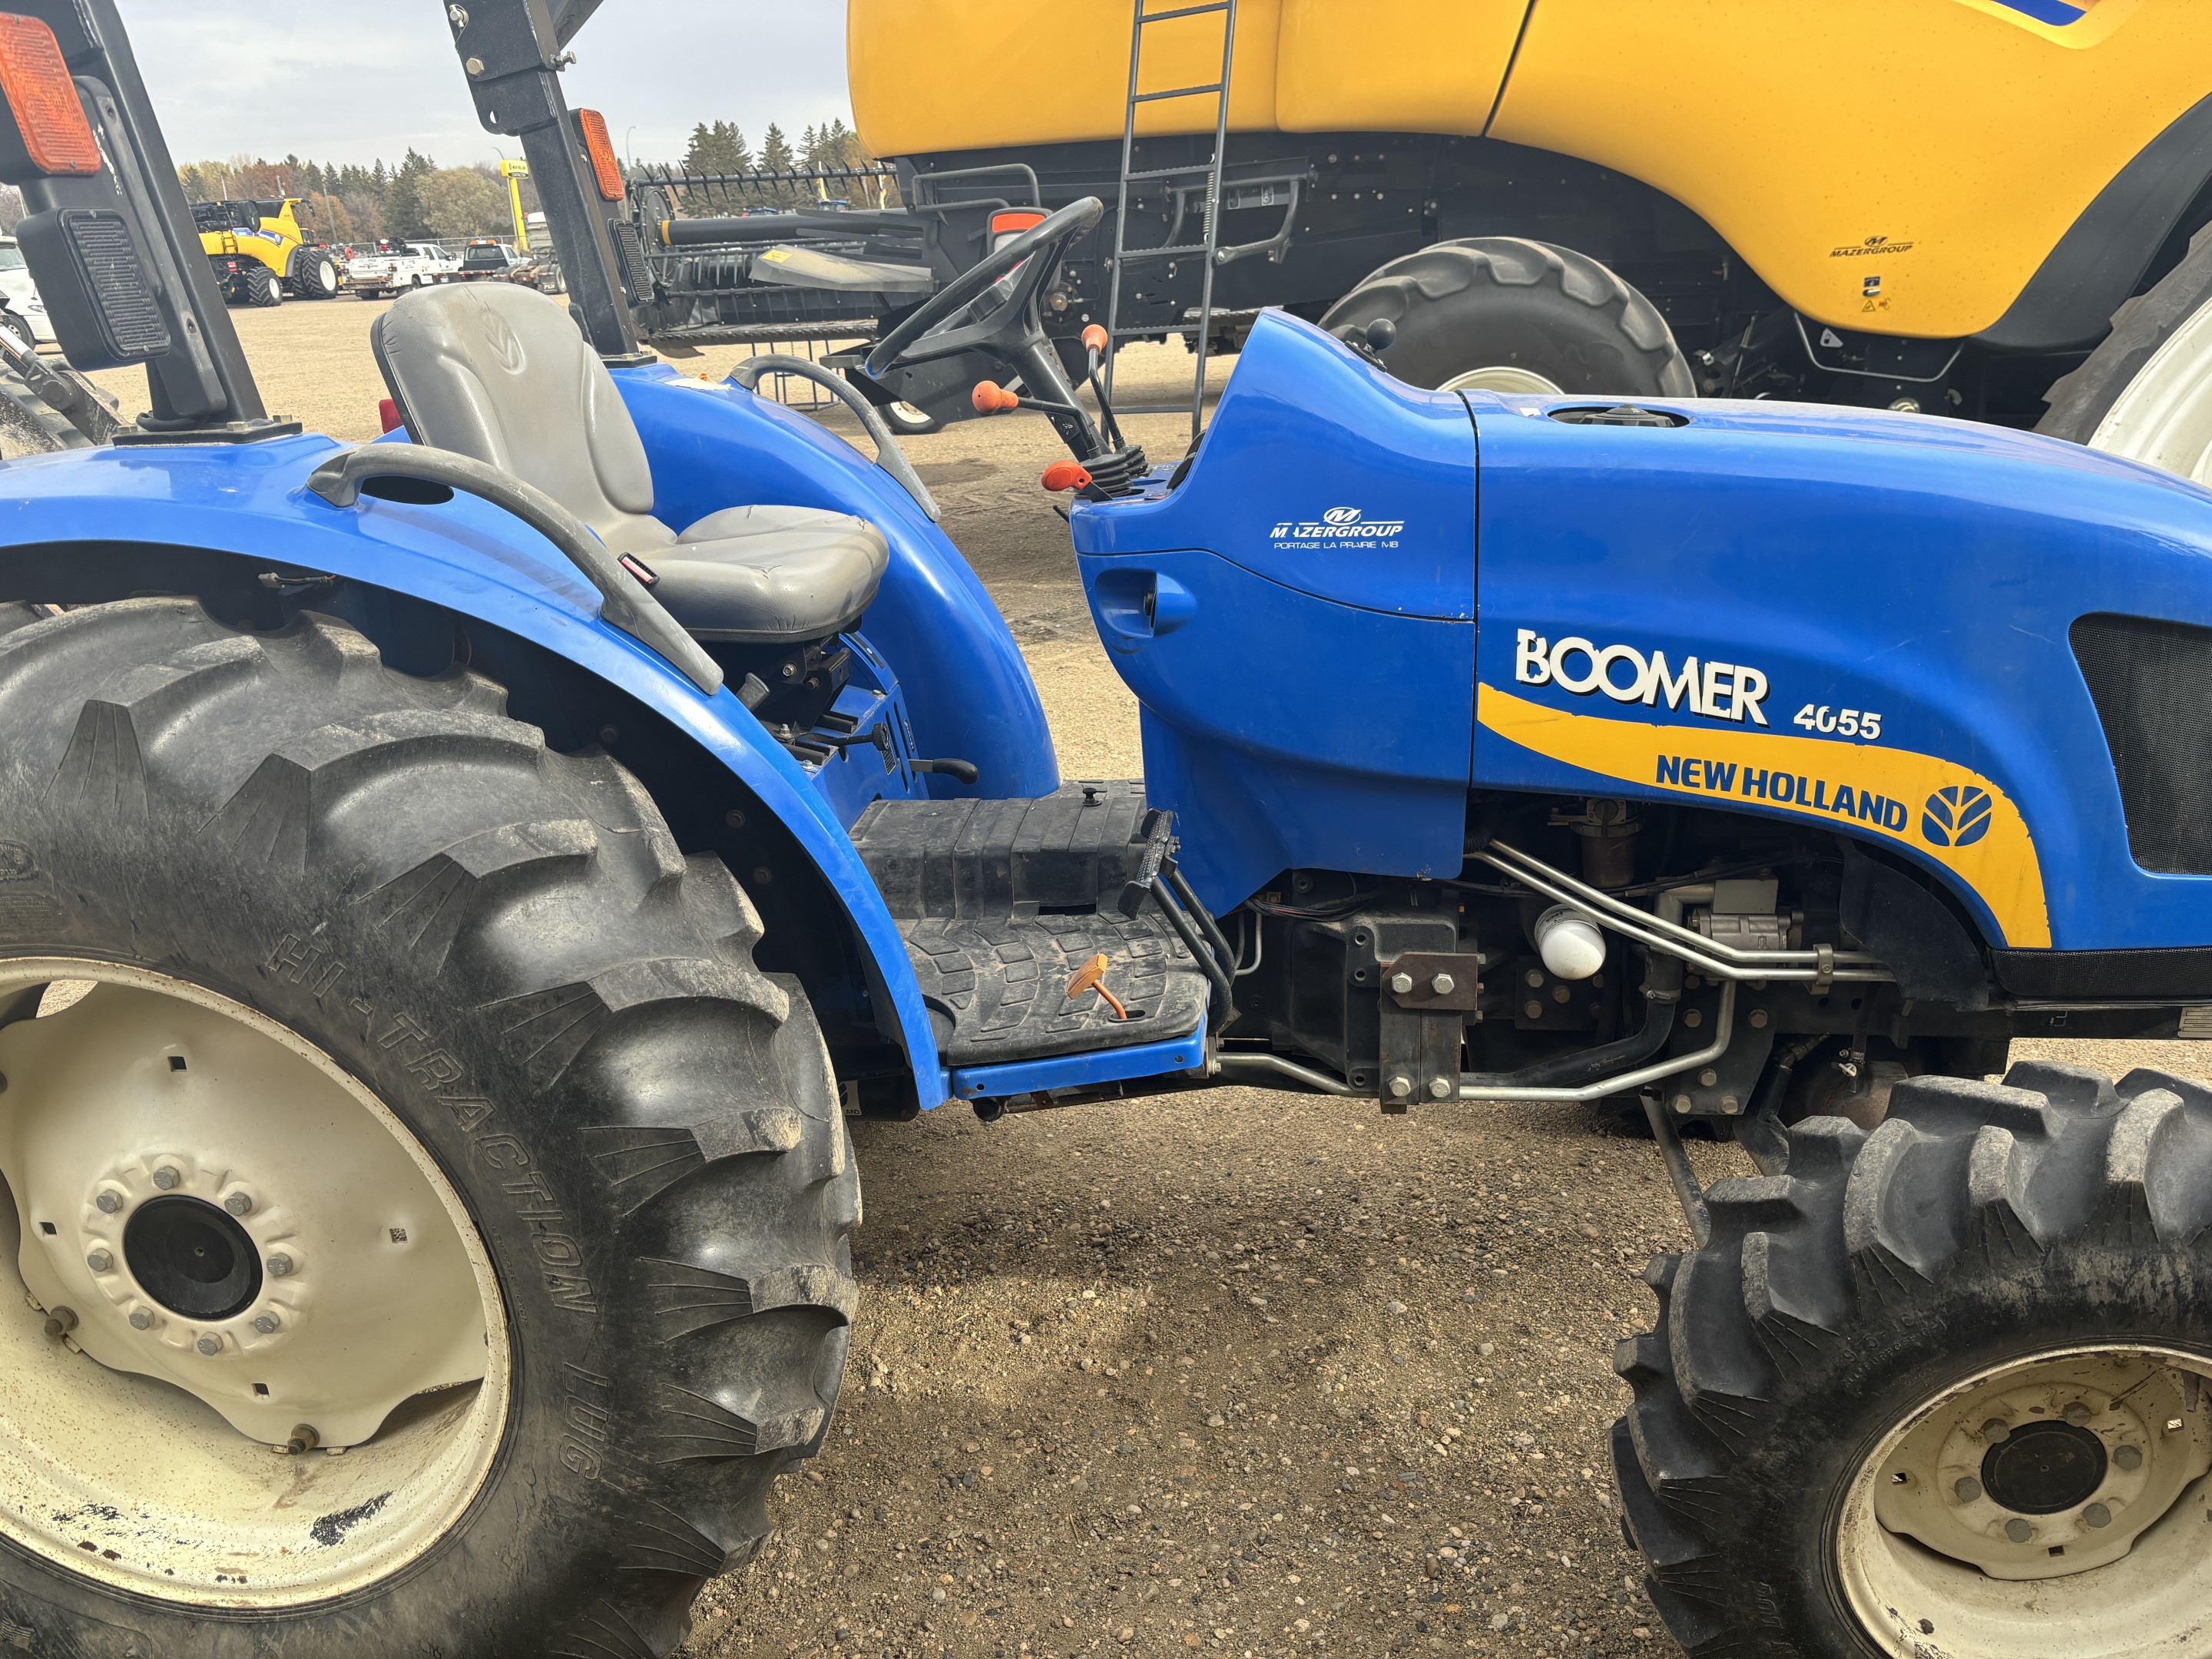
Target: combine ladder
x=1208 y=171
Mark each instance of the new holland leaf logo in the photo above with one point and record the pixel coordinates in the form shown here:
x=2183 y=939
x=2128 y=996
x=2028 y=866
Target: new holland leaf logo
x=1957 y=817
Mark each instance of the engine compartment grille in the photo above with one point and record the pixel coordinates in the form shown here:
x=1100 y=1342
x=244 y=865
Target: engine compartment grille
x=2152 y=683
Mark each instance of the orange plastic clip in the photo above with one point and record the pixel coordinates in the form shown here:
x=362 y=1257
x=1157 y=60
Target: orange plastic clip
x=1065 y=475
x=1092 y=976
x=992 y=398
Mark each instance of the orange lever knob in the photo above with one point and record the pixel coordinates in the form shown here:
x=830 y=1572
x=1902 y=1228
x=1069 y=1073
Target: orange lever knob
x=1095 y=338
x=992 y=398
x=1065 y=475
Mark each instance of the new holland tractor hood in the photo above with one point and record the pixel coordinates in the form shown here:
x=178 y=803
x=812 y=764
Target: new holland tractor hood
x=1924 y=635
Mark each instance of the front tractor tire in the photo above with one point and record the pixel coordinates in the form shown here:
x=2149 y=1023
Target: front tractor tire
x=1502 y=313
x=379 y=1080
x=1941 y=1389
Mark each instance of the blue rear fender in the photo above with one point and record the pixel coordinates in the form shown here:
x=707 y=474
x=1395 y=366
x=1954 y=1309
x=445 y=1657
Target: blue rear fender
x=968 y=690
x=470 y=558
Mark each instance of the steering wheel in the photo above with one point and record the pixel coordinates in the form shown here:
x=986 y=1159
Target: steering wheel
x=1009 y=331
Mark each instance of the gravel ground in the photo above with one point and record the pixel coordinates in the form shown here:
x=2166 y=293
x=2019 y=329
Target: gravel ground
x=1245 y=1371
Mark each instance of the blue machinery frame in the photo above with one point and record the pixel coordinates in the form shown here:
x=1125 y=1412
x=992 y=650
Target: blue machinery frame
x=1298 y=620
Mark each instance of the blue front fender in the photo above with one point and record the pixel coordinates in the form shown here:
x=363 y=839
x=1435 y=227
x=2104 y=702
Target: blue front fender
x=470 y=558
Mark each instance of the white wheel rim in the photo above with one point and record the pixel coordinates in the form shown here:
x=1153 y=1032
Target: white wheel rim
x=2164 y=415
x=131 y=1454
x=1503 y=377
x=1931 y=1560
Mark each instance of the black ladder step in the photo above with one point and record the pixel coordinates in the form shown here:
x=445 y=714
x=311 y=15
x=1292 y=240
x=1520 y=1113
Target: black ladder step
x=1175 y=252
x=1206 y=167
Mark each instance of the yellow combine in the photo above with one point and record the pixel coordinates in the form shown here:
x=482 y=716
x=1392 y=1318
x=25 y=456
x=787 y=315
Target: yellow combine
x=260 y=254
x=1933 y=203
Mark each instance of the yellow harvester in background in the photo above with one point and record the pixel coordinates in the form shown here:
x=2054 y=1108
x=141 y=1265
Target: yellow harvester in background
x=1937 y=205
x=260 y=254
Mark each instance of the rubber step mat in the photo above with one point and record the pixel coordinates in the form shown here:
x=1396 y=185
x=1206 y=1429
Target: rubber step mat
x=997 y=988
x=1002 y=901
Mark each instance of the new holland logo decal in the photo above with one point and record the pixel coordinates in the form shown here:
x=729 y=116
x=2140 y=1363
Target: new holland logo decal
x=1936 y=807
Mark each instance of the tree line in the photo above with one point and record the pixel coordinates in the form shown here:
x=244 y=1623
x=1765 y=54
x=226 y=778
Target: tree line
x=718 y=147
x=349 y=204
x=345 y=203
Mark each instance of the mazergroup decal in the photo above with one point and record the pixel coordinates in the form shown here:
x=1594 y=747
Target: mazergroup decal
x=1717 y=691
x=1872 y=245
x=1938 y=808
x=1344 y=527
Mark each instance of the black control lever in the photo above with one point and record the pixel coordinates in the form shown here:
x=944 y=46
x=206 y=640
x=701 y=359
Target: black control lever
x=1371 y=341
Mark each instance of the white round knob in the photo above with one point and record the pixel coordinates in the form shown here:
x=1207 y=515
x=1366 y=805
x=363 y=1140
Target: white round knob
x=1569 y=942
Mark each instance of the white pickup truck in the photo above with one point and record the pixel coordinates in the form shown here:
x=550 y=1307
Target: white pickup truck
x=373 y=275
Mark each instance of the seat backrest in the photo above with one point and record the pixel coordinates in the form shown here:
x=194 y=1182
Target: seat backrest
x=502 y=374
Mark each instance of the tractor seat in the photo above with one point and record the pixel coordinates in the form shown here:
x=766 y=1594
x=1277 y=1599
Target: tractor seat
x=501 y=374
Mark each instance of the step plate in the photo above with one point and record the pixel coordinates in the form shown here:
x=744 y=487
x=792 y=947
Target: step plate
x=997 y=989
x=1002 y=901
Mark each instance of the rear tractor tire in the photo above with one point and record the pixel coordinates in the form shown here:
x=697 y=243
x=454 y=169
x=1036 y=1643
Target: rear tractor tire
x=1942 y=1388
x=378 y=1080
x=2146 y=391
x=1500 y=313
x=260 y=287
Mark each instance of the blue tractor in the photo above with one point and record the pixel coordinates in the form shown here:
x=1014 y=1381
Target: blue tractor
x=455 y=890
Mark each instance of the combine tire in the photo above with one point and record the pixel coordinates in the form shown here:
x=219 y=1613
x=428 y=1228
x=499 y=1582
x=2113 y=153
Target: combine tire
x=423 y=1101
x=909 y=421
x=314 y=275
x=259 y=286
x=2146 y=391
x=1941 y=1389
x=1497 y=313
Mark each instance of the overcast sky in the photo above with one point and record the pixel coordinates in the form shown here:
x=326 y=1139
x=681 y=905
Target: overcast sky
x=353 y=82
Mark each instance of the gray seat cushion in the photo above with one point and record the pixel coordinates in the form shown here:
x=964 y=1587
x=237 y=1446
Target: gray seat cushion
x=758 y=575
x=501 y=374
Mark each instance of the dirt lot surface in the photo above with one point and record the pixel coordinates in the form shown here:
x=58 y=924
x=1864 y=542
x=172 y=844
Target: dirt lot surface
x=1246 y=1372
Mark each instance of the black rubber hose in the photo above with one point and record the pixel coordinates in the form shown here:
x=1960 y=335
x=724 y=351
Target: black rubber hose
x=1587 y=1064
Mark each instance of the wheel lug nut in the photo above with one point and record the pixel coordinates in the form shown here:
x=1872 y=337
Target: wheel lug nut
x=1996 y=1432
x=279 y=1265
x=265 y=1323
x=141 y=1320
x=61 y=1322
x=2097 y=1515
x=2077 y=1413
x=239 y=1204
x=166 y=1178
x=109 y=1203
x=100 y=1262
x=209 y=1345
x=2129 y=1457
x=2018 y=1530
x=1967 y=1488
